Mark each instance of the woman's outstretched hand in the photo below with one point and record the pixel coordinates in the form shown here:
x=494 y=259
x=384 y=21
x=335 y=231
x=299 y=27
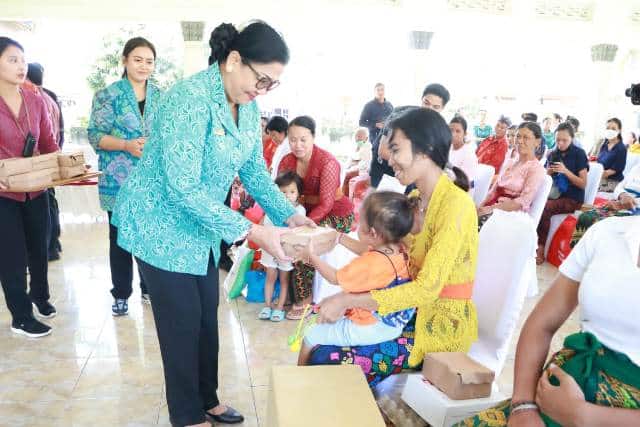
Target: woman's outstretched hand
x=268 y=238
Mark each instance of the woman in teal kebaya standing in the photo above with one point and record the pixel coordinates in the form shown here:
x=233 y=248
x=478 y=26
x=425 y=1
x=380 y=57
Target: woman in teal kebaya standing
x=120 y=117
x=171 y=215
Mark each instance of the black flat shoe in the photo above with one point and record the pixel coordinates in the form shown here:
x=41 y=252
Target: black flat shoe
x=230 y=416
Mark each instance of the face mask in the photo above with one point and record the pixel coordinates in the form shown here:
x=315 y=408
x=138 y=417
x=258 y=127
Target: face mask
x=610 y=134
x=359 y=144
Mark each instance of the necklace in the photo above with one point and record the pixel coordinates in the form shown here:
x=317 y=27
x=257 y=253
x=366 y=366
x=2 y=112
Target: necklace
x=422 y=208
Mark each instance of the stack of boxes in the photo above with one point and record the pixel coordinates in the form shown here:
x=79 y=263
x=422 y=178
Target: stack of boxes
x=71 y=165
x=29 y=172
x=39 y=172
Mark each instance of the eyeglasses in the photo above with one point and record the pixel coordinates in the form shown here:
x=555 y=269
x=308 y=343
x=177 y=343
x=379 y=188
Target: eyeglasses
x=264 y=81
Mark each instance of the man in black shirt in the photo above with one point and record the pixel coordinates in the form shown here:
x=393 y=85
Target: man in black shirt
x=435 y=97
x=375 y=112
x=35 y=74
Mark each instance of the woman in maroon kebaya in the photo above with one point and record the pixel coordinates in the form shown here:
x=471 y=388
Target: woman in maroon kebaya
x=24 y=217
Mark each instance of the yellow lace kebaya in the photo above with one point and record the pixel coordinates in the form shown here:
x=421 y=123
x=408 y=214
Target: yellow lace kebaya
x=443 y=255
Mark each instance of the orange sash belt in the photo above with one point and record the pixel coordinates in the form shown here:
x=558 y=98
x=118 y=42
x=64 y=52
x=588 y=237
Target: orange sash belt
x=315 y=200
x=461 y=291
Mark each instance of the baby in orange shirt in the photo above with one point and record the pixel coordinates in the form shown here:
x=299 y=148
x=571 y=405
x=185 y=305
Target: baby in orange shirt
x=386 y=218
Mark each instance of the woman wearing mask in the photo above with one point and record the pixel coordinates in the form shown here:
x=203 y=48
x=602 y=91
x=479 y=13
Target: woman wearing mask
x=24 y=217
x=612 y=156
x=171 y=215
x=120 y=118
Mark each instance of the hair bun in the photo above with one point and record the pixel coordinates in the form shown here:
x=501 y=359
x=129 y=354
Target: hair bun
x=221 y=41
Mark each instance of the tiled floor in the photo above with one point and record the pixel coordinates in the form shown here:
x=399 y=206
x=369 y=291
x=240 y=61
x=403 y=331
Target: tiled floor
x=95 y=370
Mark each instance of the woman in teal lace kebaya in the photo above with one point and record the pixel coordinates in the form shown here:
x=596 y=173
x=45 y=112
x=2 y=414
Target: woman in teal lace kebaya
x=171 y=215
x=120 y=118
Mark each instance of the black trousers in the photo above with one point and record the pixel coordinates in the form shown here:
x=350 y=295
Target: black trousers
x=185 y=310
x=54 y=214
x=121 y=264
x=24 y=230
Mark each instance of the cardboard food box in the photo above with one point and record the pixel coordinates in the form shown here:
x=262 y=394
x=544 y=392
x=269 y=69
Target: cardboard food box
x=321 y=396
x=71 y=171
x=22 y=165
x=457 y=375
x=437 y=409
x=44 y=161
x=30 y=181
x=14 y=166
x=323 y=238
x=71 y=159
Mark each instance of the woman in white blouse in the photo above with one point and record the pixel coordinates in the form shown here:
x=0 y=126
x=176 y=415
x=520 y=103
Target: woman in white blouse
x=595 y=379
x=461 y=154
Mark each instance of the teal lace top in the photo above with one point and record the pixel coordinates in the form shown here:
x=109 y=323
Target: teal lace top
x=170 y=213
x=115 y=112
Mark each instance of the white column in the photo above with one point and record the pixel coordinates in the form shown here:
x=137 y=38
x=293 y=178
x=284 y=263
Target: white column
x=603 y=56
x=195 y=52
x=195 y=57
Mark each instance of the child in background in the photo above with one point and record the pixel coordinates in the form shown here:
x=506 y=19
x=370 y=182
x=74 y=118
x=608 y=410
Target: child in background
x=548 y=134
x=386 y=218
x=291 y=185
x=360 y=162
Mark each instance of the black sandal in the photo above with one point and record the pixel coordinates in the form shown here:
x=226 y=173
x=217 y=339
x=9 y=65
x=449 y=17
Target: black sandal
x=230 y=416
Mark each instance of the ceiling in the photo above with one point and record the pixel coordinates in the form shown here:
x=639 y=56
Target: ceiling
x=625 y=11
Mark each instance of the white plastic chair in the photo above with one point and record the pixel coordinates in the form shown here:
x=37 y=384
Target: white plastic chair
x=482 y=182
x=591 y=190
x=540 y=200
x=507 y=241
x=593 y=182
x=506 y=160
x=343 y=172
x=499 y=296
x=283 y=149
x=632 y=160
x=535 y=213
x=543 y=159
